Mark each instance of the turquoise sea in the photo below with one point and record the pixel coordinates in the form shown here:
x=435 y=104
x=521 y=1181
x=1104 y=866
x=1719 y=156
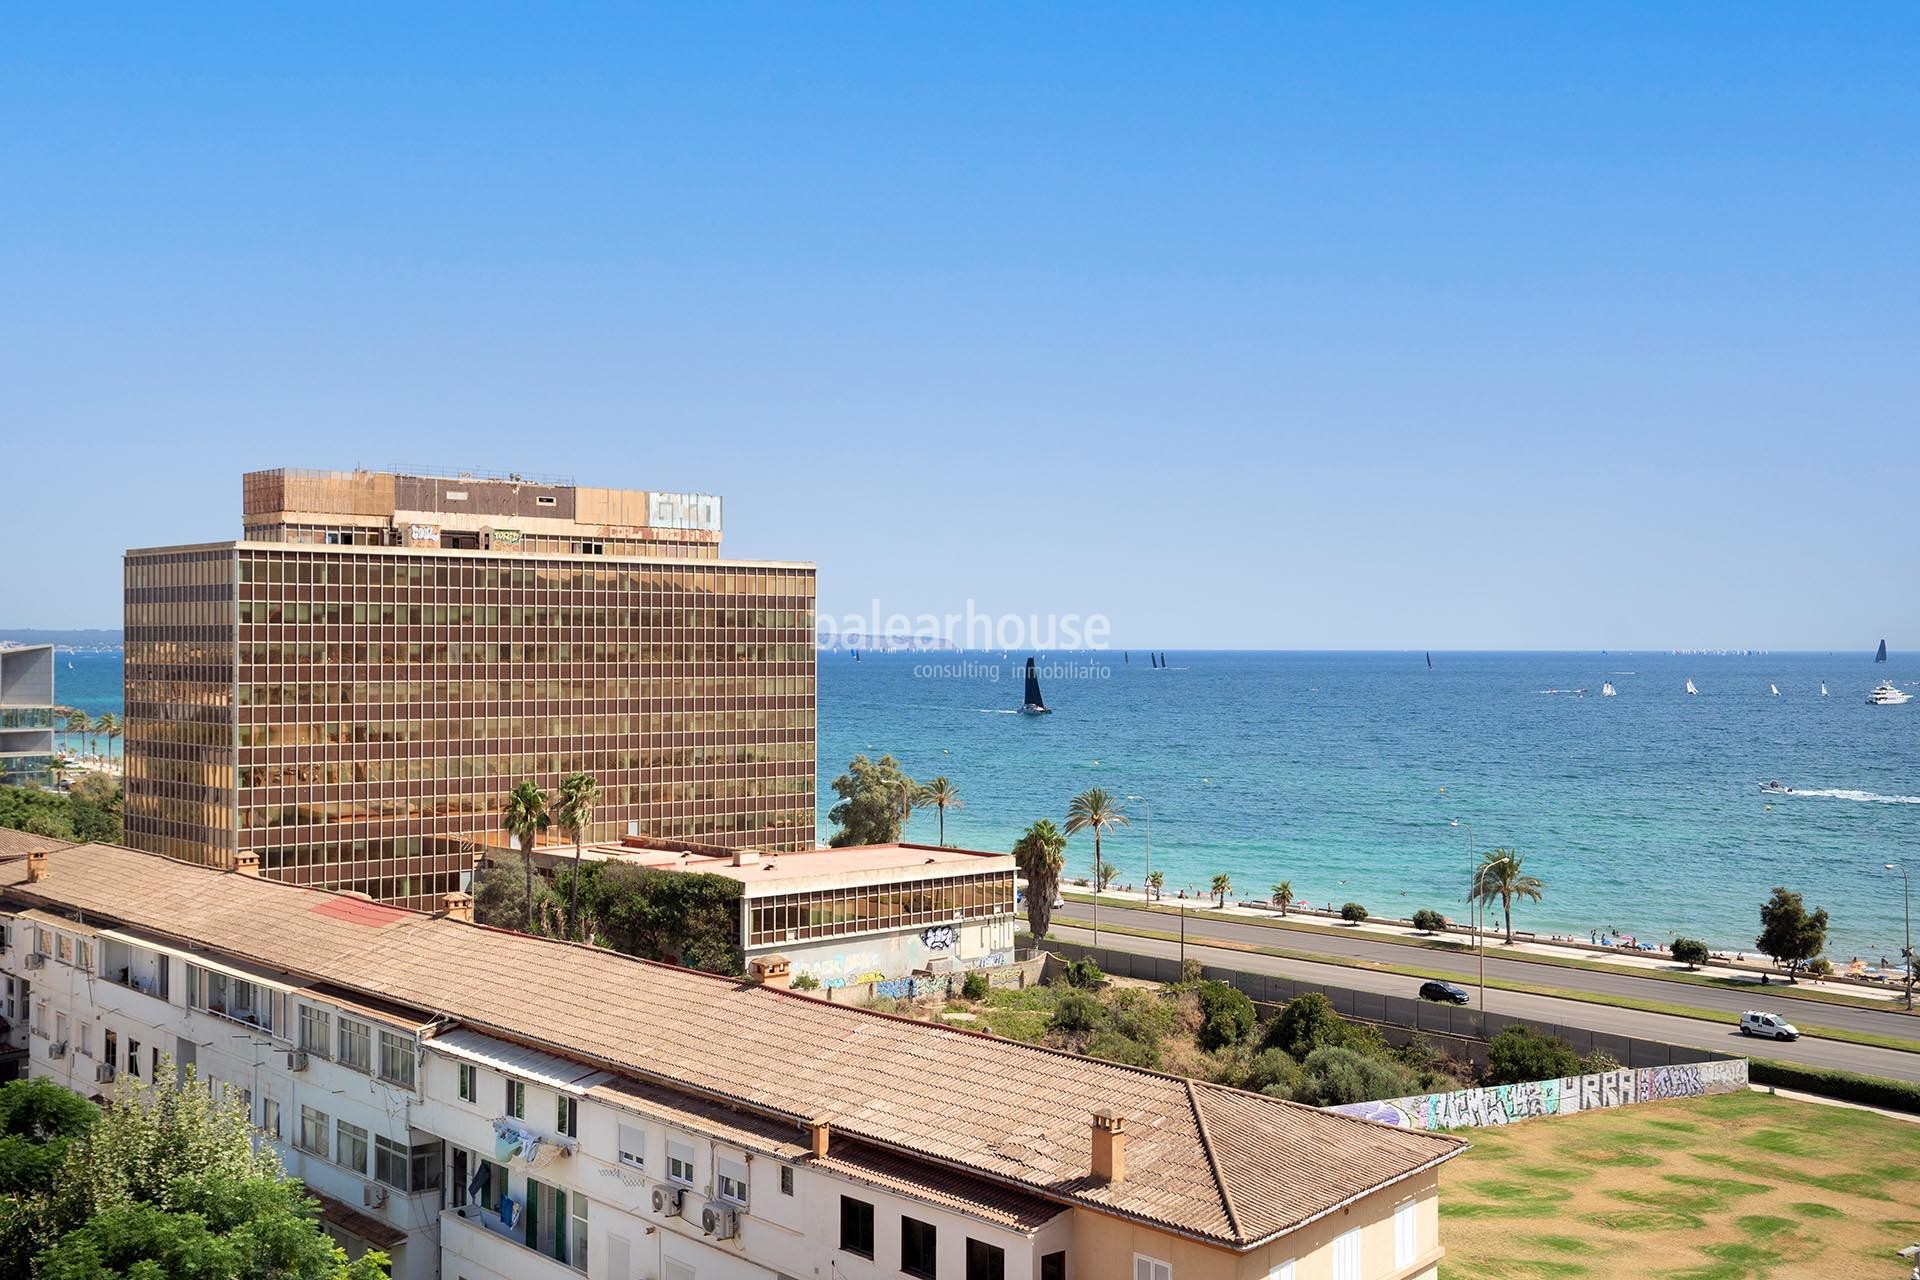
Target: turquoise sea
x=1343 y=771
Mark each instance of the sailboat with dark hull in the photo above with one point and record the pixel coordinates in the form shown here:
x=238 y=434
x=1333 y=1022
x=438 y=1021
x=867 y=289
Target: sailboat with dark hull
x=1882 y=655
x=1032 y=704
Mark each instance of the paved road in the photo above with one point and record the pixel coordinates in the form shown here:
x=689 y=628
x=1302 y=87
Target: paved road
x=1719 y=1036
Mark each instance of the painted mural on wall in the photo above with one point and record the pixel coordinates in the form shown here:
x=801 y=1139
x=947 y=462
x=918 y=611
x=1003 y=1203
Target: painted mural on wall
x=1507 y=1103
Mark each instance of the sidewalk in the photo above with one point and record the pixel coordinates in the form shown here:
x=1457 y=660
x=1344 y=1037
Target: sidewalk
x=1524 y=944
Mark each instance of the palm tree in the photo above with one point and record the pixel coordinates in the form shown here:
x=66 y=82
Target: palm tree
x=1283 y=896
x=942 y=795
x=579 y=792
x=526 y=817
x=1041 y=854
x=78 y=722
x=1222 y=886
x=1154 y=880
x=1499 y=876
x=108 y=726
x=1096 y=811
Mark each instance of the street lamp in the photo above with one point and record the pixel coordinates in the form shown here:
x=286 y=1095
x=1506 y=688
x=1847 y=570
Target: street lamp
x=1497 y=862
x=1149 y=879
x=1906 y=893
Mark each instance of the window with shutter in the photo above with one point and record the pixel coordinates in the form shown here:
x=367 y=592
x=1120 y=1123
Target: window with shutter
x=1145 y=1268
x=1406 y=1234
x=1346 y=1256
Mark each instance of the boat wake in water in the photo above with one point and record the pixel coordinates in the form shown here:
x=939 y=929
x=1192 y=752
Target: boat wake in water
x=1862 y=797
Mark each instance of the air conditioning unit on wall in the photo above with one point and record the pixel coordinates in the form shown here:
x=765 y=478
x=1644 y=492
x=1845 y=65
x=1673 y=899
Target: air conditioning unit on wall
x=668 y=1200
x=721 y=1221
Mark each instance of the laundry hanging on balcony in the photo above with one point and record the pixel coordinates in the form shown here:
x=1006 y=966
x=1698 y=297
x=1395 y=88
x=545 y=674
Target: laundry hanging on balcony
x=514 y=1141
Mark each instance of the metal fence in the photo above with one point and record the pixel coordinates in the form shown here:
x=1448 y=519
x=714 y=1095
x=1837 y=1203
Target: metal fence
x=1468 y=1026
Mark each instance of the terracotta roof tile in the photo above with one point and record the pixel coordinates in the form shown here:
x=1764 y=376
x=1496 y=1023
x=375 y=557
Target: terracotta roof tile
x=1231 y=1167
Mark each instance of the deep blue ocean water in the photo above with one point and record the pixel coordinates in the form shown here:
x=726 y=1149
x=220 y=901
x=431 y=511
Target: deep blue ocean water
x=1342 y=771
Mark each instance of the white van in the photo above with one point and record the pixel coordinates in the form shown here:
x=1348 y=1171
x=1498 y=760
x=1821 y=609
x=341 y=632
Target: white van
x=1771 y=1025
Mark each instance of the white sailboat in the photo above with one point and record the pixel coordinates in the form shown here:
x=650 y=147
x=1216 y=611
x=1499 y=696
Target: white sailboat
x=1774 y=689
x=1606 y=688
x=1690 y=689
x=1823 y=688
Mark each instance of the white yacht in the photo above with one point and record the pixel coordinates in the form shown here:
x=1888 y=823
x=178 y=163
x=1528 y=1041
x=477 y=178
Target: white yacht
x=1606 y=688
x=1887 y=694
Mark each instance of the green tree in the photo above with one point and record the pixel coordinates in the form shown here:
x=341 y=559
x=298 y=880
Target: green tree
x=1691 y=952
x=579 y=793
x=1283 y=896
x=1107 y=873
x=1222 y=886
x=1353 y=913
x=1499 y=876
x=1041 y=854
x=1307 y=1022
x=500 y=893
x=108 y=727
x=1519 y=1053
x=1155 y=881
x=1336 y=1076
x=79 y=723
x=93 y=808
x=1096 y=811
x=525 y=818
x=1076 y=1012
x=38 y=1119
x=1226 y=1015
x=876 y=798
x=677 y=917
x=939 y=795
x=1427 y=920
x=1790 y=933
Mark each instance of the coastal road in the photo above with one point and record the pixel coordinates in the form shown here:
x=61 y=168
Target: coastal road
x=1719 y=1036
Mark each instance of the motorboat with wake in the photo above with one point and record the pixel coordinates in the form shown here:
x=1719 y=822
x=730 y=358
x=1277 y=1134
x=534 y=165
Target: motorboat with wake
x=1776 y=788
x=1032 y=704
x=1888 y=694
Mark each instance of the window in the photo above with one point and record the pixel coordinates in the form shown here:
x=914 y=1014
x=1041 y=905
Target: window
x=396 y=1058
x=577 y=1244
x=989 y=1262
x=918 y=1248
x=1145 y=1268
x=1054 y=1267
x=351 y=1152
x=786 y=1180
x=314 y=1028
x=730 y=1180
x=516 y=1099
x=390 y=1162
x=1282 y=1272
x=633 y=1146
x=1346 y=1256
x=356 y=1045
x=270 y=1117
x=1406 y=1234
x=86 y=954
x=314 y=1127
x=679 y=1164
x=856 y=1227
x=133 y=1057
x=112 y=1047
x=86 y=1038
x=567 y=1119
x=469 y=1082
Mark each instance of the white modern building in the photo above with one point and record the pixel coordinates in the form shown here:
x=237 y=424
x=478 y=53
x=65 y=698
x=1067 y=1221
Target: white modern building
x=490 y=1106
x=26 y=714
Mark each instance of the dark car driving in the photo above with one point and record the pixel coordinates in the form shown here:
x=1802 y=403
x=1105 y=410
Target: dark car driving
x=1444 y=992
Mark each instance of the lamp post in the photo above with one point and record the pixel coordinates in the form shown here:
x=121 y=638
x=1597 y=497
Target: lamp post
x=1906 y=894
x=1149 y=880
x=1497 y=862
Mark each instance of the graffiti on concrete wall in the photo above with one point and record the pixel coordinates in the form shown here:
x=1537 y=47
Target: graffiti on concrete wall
x=847 y=970
x=939 y=937
x=1507 y=1103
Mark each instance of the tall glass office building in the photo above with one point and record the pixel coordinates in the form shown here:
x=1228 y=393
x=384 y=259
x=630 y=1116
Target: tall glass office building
x=351 y=691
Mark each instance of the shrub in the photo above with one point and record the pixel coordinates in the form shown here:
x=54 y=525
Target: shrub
x=1191 y=972
x=1820 y=967
x=975 y=986
x=1142 y=1015
x=1353 y=913
x=1084 y=972
x=1335 y=1076
x=806 y=982
x=1597 y=1061
x=1690 y=951
x=1519 y=1053
x=1115 y=1047
x=1874 y=1091
x=1308 y=1022
x=1426 y=920
x=1228 y=1016
x=1077 y=1012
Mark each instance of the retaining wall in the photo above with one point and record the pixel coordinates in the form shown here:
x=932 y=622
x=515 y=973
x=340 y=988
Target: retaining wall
x=1507 y=1103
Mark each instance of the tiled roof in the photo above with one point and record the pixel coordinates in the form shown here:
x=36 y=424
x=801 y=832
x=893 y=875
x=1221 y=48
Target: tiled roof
x=18 y=844
x=1230 y=1167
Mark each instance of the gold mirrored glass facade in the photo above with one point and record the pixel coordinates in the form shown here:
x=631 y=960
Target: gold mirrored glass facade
x=356 y=715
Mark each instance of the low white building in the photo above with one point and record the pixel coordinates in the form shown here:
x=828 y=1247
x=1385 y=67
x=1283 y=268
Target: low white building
x=490 y=1106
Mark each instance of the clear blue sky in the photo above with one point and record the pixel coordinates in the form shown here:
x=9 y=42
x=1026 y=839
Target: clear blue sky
x=1453 y=326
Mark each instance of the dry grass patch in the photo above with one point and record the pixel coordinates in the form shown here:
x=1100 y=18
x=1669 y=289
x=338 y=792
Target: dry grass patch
x=1742 y=1186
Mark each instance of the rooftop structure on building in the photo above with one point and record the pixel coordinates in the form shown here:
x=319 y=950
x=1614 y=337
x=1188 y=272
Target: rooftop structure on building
x=852 y=916
x=27 y=714
x=540 y=1109
x=351 y=690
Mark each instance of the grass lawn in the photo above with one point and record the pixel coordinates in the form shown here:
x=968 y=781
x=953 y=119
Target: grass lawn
x=1724 y=1188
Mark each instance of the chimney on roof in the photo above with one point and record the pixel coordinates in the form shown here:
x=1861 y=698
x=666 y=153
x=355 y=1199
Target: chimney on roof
x=247 y=863
x=1109 y=1147
x=459 y=905
x=770 y=971
x=818 y=1133
x=37 y=866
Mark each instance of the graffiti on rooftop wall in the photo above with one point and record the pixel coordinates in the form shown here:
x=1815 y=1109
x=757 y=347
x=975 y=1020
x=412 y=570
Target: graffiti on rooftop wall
x=1507 y=1103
